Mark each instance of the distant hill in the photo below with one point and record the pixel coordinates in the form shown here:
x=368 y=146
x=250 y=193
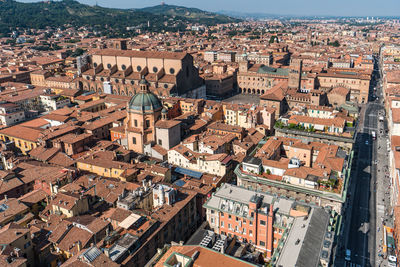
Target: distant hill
x=69 y=12
x=192 y=14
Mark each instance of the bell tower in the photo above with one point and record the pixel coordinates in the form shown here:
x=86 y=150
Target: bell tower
x=295 y=76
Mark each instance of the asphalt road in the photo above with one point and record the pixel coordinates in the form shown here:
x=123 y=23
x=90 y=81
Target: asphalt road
x=361 y=239
x=360 y=225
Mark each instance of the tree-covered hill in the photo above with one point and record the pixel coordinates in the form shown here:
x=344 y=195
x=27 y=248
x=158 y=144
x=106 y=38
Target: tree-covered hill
x=40 y=15
x=192 y=14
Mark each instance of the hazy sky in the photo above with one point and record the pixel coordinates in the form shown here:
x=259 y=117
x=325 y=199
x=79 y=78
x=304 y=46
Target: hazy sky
x=292 y=7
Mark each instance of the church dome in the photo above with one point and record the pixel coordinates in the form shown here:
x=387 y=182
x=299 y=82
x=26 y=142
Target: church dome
x=144 y=100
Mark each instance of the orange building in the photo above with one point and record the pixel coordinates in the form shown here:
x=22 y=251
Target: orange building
x=144 y=110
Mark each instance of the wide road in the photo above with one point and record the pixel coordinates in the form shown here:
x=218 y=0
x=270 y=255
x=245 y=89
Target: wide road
x=362 y=238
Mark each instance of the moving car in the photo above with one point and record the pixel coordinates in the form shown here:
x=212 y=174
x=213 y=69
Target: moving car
x=347 y=256
x=392 y=261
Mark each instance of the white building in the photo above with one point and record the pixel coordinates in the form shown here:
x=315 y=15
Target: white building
x=216 y=164
x=11 y=114
x=53 y=102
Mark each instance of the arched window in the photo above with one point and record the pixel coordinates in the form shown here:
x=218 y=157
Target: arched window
x=123 y=67
x=139 y=68
x=109 y=65
x=95 y=65
x=172 y=70
x=132 y=82
x=155 y=69
x=165 y=85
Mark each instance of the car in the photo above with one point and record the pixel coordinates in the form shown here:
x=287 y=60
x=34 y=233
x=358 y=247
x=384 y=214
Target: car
x=347 y=256
x=392 y=261
x=366 y=142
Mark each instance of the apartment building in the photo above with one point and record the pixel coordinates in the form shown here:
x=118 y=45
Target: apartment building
x=264 y=221
x=216 y=164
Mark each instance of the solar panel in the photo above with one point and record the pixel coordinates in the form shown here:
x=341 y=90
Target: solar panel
x=91 y=254
x=3 y=207
x=190 y=173
x=180 y=183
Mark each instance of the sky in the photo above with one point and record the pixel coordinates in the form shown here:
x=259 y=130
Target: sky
x=281 y=7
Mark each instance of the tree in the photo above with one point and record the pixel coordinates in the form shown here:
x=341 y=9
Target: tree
x=78 y=52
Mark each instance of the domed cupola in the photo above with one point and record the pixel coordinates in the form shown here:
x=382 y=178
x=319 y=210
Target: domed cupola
x=144 y=100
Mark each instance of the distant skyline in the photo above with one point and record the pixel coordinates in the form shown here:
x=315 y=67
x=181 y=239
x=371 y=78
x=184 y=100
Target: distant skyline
x=287 y=7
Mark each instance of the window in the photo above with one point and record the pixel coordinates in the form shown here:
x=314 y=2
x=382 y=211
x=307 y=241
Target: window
x=95 y=65
x=172 y=70
x=244 y=231
x=27 y=245
x=212 y=220
x=139 y=68
x=147 y=123
x=250 y=232
x=160 y=143
x=222 y=214
x=155 y=69
x=262 y=243
x=165 y=85
x=229 y=226
x=222 y=224
x=102 y=79
x=262 y=222
x=109 y=65
x=134 y=140
x=123 y=67
x=135 y=121
x=229 y=216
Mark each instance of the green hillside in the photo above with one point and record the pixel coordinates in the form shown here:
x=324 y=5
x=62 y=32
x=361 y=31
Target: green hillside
x=69 y=12
x=193 y=14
